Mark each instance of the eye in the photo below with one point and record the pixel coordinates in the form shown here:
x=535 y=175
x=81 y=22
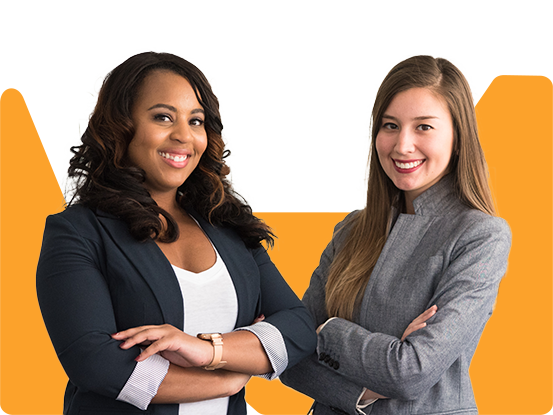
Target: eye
x=162 y=117
x=390 y=126
x=425 y=127
x=197 y=122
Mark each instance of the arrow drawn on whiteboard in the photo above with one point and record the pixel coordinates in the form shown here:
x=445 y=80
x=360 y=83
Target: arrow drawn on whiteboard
x=309 y=92
x=272 y=135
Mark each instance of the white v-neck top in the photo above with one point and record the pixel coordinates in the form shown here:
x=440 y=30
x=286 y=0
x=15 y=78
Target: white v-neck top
x=210 y=303
x=210 y=306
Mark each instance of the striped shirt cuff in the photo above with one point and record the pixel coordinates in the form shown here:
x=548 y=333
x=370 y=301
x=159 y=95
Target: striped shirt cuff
x=273 y=344
x=144 y=382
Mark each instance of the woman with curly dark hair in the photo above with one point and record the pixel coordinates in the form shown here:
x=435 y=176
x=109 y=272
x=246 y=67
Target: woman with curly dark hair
x=156 y=256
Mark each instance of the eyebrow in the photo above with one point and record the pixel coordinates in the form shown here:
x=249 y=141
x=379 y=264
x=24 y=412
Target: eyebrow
x=171 y=108
x=422 y=117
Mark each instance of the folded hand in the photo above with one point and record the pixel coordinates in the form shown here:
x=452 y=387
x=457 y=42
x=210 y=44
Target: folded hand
x=171 y=343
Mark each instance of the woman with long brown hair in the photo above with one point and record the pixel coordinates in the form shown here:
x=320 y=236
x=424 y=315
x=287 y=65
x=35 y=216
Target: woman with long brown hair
x=406 y=285
x=153 y=283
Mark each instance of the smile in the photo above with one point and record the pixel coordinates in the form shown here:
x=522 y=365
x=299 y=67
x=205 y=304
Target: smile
x=407 y=166
x=174 y=158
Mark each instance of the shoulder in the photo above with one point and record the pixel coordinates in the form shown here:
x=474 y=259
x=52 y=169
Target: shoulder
x=343 y=228
x=75 y=232
x=339 y=237
x=475 y=232
x=472 y=221
x=75 y=213
x=76 y=219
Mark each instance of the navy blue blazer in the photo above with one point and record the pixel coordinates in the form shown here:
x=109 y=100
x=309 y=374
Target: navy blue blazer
x=95 y=279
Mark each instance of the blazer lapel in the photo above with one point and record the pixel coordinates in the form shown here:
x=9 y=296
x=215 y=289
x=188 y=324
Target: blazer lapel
x=402 y=241
x=150 y=263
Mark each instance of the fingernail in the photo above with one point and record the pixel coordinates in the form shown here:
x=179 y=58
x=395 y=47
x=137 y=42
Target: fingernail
x=137 y=358
x=115 y=334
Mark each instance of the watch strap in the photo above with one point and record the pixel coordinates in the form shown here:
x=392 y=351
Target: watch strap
x=217 y=343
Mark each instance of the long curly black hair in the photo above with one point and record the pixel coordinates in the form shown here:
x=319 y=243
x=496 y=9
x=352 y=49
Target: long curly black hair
x=104 y=179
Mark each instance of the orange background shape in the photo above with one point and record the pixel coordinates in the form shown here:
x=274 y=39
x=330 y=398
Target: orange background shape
x=512 y=368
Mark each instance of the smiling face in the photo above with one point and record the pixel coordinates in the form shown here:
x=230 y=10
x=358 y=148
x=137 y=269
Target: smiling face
x=415 y=141
x=170 y=137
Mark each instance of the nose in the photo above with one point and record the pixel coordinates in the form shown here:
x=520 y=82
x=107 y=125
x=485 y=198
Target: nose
x=181 y=132
x=405 y=143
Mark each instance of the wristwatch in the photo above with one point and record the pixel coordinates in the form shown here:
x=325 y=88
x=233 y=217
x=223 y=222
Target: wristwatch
x=216 y=340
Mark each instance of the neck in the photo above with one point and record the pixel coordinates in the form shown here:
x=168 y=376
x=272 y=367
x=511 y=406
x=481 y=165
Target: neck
x=408 y=204
x=167 y=201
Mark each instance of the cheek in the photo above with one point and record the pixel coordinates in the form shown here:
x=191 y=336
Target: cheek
x=140 y=149
x=447 y=152
x=133 y=152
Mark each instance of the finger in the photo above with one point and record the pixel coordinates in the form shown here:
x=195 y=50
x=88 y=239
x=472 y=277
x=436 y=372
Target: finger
x=170 y=344
x=426 y=314
x=122 y=335
x=149 y=335
x=412 y=328
x=154 y=348
x=429 y=312
x=432 y=310
x=417 y=327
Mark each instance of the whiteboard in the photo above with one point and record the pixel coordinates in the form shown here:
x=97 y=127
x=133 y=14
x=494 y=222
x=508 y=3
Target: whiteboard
x=296 y=119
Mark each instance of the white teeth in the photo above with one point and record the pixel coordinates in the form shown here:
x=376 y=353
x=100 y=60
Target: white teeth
x=407 y=165
x=170 y=157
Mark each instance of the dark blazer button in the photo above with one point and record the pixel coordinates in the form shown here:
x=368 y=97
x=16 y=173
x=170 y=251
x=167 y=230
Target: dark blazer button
x=336 y=365
x=330 y=362
x=327 y=359
x=322 y=356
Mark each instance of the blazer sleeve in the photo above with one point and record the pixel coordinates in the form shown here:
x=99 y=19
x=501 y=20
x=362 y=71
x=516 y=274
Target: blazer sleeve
x=316 y=378
x=465 y=297
x=75 y=302
x=283 y=309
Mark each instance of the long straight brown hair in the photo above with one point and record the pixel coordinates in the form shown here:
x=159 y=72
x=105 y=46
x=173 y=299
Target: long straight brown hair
x=353 y=264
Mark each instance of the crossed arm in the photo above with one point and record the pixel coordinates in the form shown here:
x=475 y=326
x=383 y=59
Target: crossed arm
x=187 y=355
x=79 y=312
x=406 y=368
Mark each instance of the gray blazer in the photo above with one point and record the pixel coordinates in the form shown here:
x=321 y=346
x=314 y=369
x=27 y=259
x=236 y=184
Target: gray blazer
x=446 y=254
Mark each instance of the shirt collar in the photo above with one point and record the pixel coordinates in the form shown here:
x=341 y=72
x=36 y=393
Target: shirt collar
x=438 y=199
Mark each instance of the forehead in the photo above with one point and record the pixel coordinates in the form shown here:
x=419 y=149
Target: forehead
x=162 y=86
x=417 y=102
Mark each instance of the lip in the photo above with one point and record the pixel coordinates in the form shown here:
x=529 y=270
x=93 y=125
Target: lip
x=175 y=153
x=407 y=171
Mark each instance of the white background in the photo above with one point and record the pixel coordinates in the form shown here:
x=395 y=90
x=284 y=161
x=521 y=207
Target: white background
x=522 y=25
